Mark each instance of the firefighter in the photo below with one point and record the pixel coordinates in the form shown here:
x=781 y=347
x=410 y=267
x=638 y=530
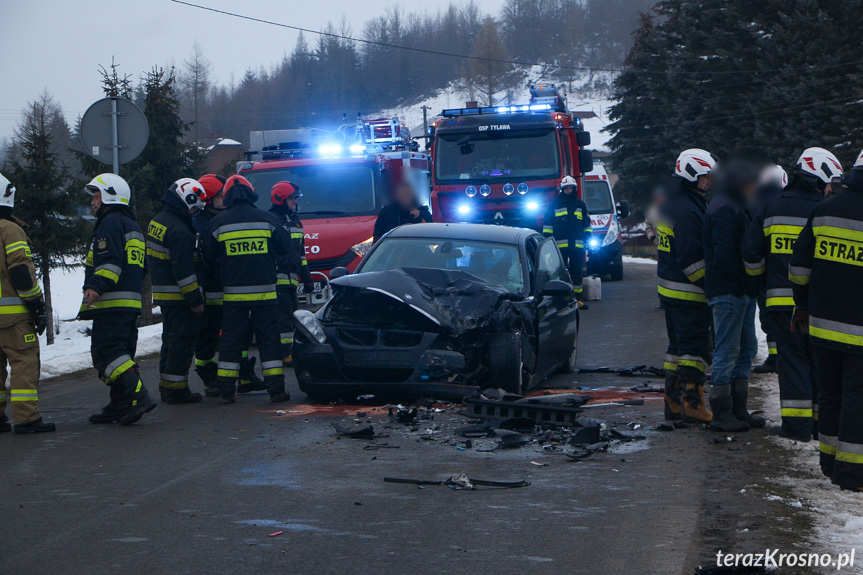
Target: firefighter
x=680 y=273
x=826 y=273
x=404 y=209
x=22 y=315
x=171 y=260
x=767 y=253
x=243 y=243
x=293 y=268
x=210 y=323
x=566 y=219
x=774 y=179
x=731 y=295
x=113 y=279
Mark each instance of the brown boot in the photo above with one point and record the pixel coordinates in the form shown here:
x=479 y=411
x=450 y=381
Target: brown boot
x=673 y=398
x=695 y=409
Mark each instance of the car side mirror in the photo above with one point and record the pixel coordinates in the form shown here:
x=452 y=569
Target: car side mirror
x=338 y=272
x=557 y=288
x=623 y=209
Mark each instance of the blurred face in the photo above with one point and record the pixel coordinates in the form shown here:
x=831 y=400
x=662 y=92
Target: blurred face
x=749 y=190
x=291 y=203
x=404 y=195
x=703 y=183
x=218 y=201
x=96 y=202
x=568 y=189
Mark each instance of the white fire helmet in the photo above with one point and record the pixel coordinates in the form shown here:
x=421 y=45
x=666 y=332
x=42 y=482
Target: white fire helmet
x=191 y=192
x=820 y=163
x=693 y=163
x=775 y=174
x=115 y=190
x=567 y=181
x=7 y=192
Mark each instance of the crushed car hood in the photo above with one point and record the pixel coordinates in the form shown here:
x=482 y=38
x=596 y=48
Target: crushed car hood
x=456 y=301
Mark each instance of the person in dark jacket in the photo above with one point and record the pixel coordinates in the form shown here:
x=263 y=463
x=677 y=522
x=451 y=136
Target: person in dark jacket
x=294 y=268
x=827 y=272
x=404 y=209
x=243 y=244
x=171 y=256
x=113 y=281
x=767 y=252
x=774 y=179
x=680 y=271
x=567 y=219
x=731 y=295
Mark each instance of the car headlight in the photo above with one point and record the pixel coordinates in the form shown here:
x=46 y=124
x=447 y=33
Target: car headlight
x=363 y=247
x=613 y=233
x=594 y=243
x=308 y=323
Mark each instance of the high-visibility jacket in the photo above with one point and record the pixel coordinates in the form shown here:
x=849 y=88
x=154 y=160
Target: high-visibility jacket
x=17 y=274
x=680 y=229
x=115 y=263
x=243 y=244
x=294 y=267
x=770 y=239
x=171 y=259
x=827 y=272
x=209 y=276
x=567 y=219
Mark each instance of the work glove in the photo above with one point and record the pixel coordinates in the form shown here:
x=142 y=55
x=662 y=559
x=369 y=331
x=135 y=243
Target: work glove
x=40 y=316
x=800 y=322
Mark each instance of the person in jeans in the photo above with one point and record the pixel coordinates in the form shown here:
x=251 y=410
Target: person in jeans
x=731 y=295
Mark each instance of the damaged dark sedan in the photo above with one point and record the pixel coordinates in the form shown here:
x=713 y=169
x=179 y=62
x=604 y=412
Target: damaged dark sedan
x=437 y=310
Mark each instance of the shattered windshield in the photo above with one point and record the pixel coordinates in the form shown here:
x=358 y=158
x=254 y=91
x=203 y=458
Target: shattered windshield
x=495 y=263
x=597 y=196
x=516 y=154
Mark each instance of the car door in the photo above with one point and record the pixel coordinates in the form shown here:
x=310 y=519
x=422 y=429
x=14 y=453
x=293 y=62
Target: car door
x=556 y=315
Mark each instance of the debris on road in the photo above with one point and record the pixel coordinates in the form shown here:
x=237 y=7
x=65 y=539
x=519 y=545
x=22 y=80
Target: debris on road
x=276 y=534
x=460 y=481
x=633 y=371
x=357 y=431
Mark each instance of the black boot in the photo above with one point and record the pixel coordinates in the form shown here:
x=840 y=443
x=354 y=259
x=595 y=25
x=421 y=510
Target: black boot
x=769 y=365
x=35 y=426
x=721 y=406
x=114 y=410
x=208 y=374
x=280 y=396
x=796 y=428
x=182 y=395
x=739 y=398
x=136 y=394
x=248 y=380
x=673 y=398
x=4 y=424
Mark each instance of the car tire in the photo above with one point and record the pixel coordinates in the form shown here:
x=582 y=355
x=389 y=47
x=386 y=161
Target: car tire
x=616 y=270
x=505 y=362
x=571 y=362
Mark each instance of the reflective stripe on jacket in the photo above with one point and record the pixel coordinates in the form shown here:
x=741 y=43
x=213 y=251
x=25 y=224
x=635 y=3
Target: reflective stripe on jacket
x=567 y=219
x=171 y=259
x=16 y=257
x=680 y=228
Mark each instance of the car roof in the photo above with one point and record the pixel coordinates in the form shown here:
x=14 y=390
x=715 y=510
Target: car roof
x=475 y=232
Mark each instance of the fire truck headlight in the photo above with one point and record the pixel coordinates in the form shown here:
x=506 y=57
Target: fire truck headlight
x=485 y=190
x=508 y=189
x=532 y=206
x=464 y=209
x=357 y=148
x=470 y=191
x=523 y=188
x=330 y=150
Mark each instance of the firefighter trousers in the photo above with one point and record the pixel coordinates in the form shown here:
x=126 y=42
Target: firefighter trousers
x=113 y=342
x=574 y=260
x=798 y=375
x=688 y=327
x=288 y=304
x=207 y=342
x=179 y=331
x=235 y=337
x=764 y=317
x=19 y=349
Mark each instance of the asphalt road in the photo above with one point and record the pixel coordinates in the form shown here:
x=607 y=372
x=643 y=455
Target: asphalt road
x=198 y=489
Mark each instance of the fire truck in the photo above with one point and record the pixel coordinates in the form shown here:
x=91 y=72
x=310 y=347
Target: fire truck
x=503 y=164
x=346 y=177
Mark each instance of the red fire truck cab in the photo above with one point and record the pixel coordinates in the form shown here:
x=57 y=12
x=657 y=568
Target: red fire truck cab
x=503 y=164
x=345 y=178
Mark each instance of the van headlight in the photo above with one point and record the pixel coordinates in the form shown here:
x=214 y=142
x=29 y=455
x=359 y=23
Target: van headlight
x=363 y=247
x=310 y=325
x=613 y=233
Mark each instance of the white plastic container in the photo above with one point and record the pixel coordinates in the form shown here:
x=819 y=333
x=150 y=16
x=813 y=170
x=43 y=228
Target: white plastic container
x=592 y=286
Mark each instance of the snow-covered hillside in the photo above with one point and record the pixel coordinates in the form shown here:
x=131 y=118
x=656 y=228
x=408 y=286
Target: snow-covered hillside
x=586 y=93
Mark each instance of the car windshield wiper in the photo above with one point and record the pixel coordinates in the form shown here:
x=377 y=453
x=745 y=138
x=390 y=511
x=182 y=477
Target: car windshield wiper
x=329 y=213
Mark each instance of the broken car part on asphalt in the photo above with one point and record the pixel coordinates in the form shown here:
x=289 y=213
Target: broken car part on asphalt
x=460 y=481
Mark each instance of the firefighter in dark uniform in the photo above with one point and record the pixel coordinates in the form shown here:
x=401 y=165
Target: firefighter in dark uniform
x=404 y=209
x=22 y=315
x=827 y=272
x=774 y=180
x=171 y=259
x=210 y=323
x=113 y=280
x=767 y=252
x=294 y=268
x=680 y=270
x=244 y=243
x=566 y=219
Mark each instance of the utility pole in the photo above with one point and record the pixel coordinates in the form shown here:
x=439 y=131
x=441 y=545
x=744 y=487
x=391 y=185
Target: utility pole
x=425 y=120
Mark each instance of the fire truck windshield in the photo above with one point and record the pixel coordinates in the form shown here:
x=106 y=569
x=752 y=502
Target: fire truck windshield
x=336 y=190
x=481 y=156
x=597 y=196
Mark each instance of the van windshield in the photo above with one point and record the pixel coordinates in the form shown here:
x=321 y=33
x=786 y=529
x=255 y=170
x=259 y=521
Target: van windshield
x=597 y=196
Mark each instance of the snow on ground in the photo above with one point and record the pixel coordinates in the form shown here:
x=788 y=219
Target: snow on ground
x=637 y=260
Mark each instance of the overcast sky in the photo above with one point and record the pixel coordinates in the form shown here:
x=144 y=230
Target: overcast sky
x=58 y=44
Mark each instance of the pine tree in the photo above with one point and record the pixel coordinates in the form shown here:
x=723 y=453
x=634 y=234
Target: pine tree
x=195 y=80
x=488 y=75
x=45 y=200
